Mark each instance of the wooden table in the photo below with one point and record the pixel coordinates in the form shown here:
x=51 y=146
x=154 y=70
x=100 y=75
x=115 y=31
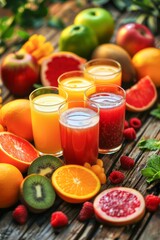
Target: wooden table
x=38 y=226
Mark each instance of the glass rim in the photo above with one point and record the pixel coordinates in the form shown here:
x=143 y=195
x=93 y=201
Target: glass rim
x=119 y=69
x=105 y=85
x=52 y=88
x=59 y=80
x=83 y=101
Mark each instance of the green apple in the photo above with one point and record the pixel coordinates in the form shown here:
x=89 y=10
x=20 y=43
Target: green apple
x=78 y=39
x=100 y=20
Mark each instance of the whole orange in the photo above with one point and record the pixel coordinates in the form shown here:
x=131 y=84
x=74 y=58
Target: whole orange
x=16 y=118
x=10 y=180
x=147 y=62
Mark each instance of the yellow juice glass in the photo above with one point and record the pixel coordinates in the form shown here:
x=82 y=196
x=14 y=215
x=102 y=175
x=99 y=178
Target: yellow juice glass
x=45 y=102
x=103 y=71
x=75 y=84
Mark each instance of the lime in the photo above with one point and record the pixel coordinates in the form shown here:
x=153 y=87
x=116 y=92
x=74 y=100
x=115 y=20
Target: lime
x=78 y=39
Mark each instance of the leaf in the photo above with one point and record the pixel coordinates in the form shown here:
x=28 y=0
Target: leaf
x=152 y=24
x=141 y=18
x=152 y=169
x=8 y=33
x=23 y=34
x=156 y=112
x=156 y=176
x=100 y=2
x=121 y=4
x=154 y=162
x=56 y=23
x=149 y=144
x=148 y=172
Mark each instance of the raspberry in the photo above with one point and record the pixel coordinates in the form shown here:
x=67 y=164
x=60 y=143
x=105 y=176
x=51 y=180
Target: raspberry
x=126 y=124
x=20 y=214
x=152 y=202
x=86 y=212
x=135 y=123
x=129 y=133
x=126 y=162
x=59 y=219
x=116 y=177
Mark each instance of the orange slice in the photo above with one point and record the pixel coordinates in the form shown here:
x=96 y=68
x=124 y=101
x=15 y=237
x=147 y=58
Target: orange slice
x=16 y=151
x=75 y=184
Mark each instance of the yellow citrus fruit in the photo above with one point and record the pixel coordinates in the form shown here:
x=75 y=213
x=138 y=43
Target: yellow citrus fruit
x=16 y=118
x=10 y=180
x=147 y=62
x=75 y=184
x=16 y=151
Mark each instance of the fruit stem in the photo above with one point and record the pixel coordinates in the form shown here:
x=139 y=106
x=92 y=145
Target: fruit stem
x=19 y=55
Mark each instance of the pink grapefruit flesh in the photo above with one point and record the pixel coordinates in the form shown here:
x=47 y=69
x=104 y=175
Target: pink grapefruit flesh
x=119 y=206
x=58 y=64
x=141 y=96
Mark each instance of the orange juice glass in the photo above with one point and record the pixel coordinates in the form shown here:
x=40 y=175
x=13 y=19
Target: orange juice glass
x=103 y=71
x=75 y=84
x=44 y=103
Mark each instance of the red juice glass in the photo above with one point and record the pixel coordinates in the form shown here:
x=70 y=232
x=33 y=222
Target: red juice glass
x=79 y=130
x=111 y=101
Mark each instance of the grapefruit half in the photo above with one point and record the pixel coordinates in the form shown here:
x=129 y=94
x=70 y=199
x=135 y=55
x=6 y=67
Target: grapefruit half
x=58 y=63
x=141 y=96
x=16 y=151
x=119 y=206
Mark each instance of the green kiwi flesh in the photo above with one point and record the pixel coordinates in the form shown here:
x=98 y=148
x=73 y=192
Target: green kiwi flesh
x=45 y=165
x=37 y=193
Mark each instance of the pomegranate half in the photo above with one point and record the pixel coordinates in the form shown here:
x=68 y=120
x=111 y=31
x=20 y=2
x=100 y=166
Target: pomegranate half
x=119 y=206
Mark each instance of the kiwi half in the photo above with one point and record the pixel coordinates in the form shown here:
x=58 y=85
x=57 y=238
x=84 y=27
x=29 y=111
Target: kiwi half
x=45 y=165
x=37 y=193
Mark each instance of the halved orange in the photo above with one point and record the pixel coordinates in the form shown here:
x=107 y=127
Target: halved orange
x=75 y=184
x=16 y=151
x=141 y=96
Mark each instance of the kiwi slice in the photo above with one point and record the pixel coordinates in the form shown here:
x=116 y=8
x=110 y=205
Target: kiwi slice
x=37 y=193
x=45 y=165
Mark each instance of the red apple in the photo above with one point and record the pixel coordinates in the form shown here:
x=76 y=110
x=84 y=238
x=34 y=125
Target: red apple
x=19 y=71
x=133 y=37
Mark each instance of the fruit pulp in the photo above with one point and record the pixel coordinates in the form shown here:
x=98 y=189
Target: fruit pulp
x=79 y=135
x=103 y=74
x=112 y=117
x=125 y=203
x=45 y=123
x=75 y=87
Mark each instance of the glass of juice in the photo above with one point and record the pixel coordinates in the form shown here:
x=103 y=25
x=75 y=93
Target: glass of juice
x=103 y=71
x=79 y=127
x=74 y=83
x=45 y=102
x=111 y=101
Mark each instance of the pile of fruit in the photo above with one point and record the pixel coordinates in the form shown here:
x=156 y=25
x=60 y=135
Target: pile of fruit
x=36 y=180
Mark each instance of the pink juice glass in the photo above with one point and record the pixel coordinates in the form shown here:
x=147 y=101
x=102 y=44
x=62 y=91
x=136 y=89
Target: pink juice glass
x=79 y=128
x=111 y=101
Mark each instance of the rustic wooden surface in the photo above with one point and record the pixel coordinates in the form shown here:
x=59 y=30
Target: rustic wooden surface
x=38 y=226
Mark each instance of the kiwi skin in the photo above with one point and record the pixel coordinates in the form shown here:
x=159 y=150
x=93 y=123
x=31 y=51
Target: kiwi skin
x=45 y=165
x=24 y=200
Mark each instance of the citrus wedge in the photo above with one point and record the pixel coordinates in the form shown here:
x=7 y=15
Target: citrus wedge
x=141 y=96
x=75 y=184
x=56 y=64
x=16 y=151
